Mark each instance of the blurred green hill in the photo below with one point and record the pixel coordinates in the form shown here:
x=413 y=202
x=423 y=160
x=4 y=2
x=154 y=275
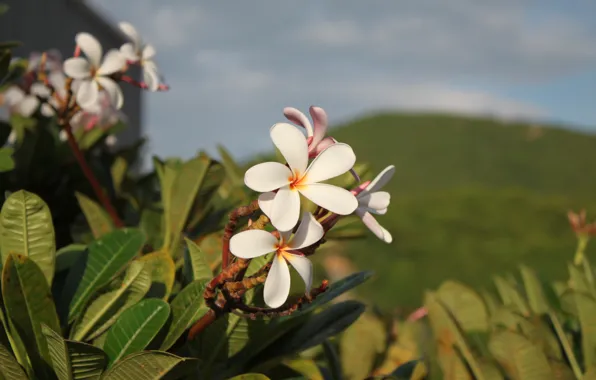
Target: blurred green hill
x=471 y=197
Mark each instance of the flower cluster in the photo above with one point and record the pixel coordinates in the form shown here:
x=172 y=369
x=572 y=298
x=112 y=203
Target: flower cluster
x=83 y=92
x=283 y=184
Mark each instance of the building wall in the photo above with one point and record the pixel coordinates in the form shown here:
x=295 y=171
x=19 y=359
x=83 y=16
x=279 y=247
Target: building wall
x=52 y=24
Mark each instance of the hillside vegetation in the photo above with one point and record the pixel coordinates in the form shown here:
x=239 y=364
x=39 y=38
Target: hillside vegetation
x=471 y=197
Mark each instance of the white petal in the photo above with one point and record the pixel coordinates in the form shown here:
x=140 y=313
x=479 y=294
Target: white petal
x=266 y=203
x=286 y=209
x=292 y=145
x=47 y=110
x=277 y=284
x=130 y=32
x=111 y=140
x=333 y=161
x=58 y=81
x=148 y=52
x=113 y=90
x=39 y=89
x=12 y=137
x=63 y=136
x=28 y=106
x=14 y=95
x=267 y=176
x=309 y=232
x=372 y=224
x=150 y=75
x=78 y=68
x=378 y=200
x=129 y=52
x=303 y=266
x=91 y=47
x=297 y=117
x=381 y=180
x=113 y=62
x=252 y=243
x=87 y=94
x=332 y=198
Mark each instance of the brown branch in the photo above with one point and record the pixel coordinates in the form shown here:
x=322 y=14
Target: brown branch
x=231 y=226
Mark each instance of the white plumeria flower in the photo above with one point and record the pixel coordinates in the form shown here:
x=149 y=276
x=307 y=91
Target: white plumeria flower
x=22 y=103
x=372 y=201
x=92 y=72
x=137 y=51
x=283 y=207
x=316 y=132
x=53 y=61
x=58 y=81
x=111 y=140
x=254 y=243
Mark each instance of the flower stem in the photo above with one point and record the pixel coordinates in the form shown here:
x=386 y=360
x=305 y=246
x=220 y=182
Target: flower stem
x=91 y=178
x=202 y=324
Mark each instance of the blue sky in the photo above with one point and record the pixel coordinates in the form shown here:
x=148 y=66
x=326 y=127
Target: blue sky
x=234 y=65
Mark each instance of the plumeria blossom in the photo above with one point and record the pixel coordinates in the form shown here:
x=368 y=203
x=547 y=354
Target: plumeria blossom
x=138 y=52
x=372 y=201
x=53 y=61
x=254 y=243
x=283 y=207
x=316 y=132
x=93 y=72
x=22 y=103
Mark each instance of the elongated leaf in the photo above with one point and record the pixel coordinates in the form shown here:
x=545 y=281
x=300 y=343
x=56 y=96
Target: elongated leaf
x=510 y=295
x=118 y=171
x=136 y=328
x=107 y=257
x=98 y=219
x=105 y=309
x=151 y=365
x=233 y=171
x=74 y=360
x=306 y=367
x=9 y=367
x=27 y=230
x=534 y=291
x=361 y=344
x=187 y=308
x=466 y=306
x=197 y=261
x=186 y=185
x=28 y=303
x=8 y=340
x=6 y=161
x=250 y=376
x=520 y=358
x=163 y=273
x=67 y=256
x=586 y=309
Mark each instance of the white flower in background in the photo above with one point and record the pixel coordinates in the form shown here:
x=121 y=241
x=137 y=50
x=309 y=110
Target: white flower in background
x=254 y=243
x=111 y=140
x=22 y=103
x=372 y=201
x=137 y=51
x=316 y=131
x=284 y=206
x=92 y=72
x=58 y=82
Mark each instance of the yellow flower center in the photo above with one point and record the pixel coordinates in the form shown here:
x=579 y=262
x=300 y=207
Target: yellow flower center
x=297 y=181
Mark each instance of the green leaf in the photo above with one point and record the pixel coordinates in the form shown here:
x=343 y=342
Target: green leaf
x=10 y=369
x=28 y=303
x=151 y=365
x=510 y=295
x=8 y=339
x=316 y=329
x=136 y=328
x=3 y=8
x=6 y=161
x=186 y=185
x=99 y=220
x=360 y=346
x=534 y=291
x=233 y=170
x=586 y=309
x=306 y=367
x=107 y=257
x=118 y=171
x=465 y=305
x=9 y=44
x=105 y=309
x=197 y=262
x=163 y=273
x=519 y=357
x=187 y=308
x=74 y=360
x=68 y=255
x=250 y=376
x=27 y=230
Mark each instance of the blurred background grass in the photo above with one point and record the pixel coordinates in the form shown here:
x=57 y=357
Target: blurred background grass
x=471 y=197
